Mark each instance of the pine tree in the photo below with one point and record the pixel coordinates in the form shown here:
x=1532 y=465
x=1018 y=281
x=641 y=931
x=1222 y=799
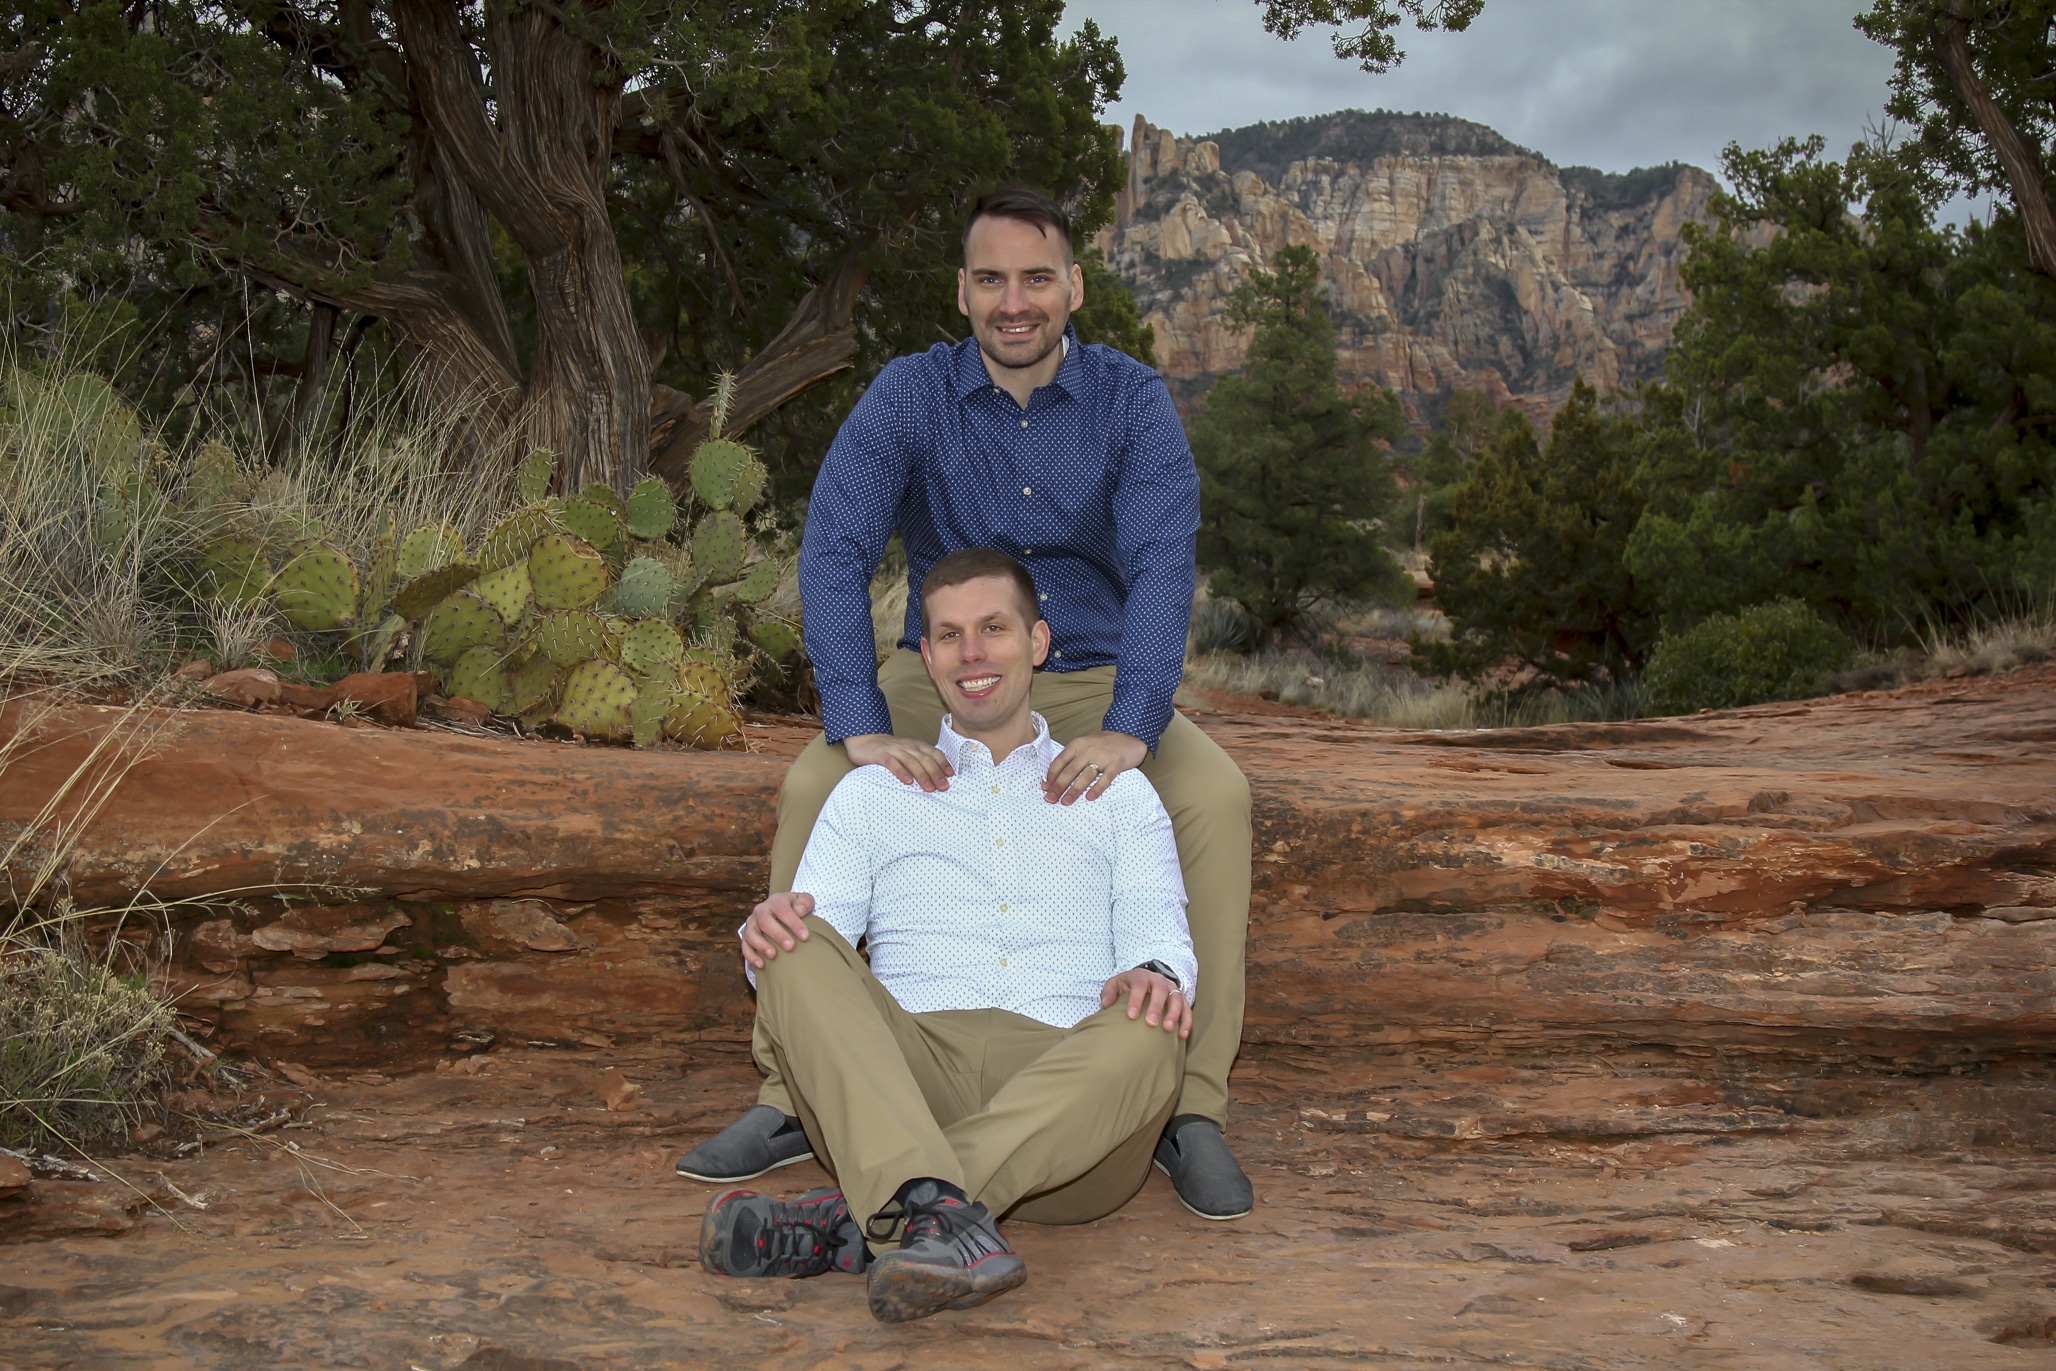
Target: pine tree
x=1295 y=478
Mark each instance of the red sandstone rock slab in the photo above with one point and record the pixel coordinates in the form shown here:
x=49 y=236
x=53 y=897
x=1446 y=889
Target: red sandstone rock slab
x=1861 y=875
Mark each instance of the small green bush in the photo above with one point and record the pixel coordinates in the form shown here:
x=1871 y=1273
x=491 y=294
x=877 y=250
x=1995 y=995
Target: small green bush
x=1779 y=651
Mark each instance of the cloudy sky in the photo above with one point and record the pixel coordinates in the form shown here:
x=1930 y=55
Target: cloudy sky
x=1614 y=84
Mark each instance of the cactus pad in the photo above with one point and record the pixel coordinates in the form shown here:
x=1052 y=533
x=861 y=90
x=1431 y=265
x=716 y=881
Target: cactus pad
x=459 y=623
x=532 y=686
x=591 y=520
x=533 y=477
x=705 y=723
x=717 y=471
x=565 y=572
x=235 y=567
x=318 y=588
x=651 y=647
x=778 y=640
x=507 y=591
x=644 y=589
x=650 y=510
x=597 y=699
x=646 y=716
x=480 y=675
x=718 y=544
x=513 y=537
x=750 y=487
x=573 y=636
x=426 y=548
x=416 y=598
x=758 y=585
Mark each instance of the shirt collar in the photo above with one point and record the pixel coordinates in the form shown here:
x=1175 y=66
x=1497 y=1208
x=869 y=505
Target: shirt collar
x=952 y=744
x=972 y=377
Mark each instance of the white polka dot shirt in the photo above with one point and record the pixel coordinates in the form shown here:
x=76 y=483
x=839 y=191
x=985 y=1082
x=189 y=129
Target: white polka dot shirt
x=986 y=896
x=1092 y=487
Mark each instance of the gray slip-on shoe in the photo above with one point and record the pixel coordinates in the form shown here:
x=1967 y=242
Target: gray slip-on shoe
x=1208 y=1179
x=762 y=1140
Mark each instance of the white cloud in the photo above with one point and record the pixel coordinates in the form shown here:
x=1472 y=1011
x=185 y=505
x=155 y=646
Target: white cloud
x=1614 y=84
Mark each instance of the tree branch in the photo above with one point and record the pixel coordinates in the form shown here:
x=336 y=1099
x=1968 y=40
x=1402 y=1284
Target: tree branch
x=817 y=342
x=2025 y=173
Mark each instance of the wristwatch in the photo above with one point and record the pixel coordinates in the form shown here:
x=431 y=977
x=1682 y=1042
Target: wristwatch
x=1154 y=965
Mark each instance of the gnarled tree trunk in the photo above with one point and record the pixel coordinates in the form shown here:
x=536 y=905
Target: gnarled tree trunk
x=2026 y=174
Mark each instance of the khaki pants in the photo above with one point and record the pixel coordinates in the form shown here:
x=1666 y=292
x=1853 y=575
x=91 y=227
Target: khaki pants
x=1057 y=1125
x=1201 y=787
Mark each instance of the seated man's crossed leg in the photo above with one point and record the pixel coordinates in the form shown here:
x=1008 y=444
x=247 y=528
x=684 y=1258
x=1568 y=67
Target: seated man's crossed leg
x=1017 y=1040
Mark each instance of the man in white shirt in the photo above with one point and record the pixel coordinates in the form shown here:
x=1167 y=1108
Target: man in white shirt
x=1016 y=1041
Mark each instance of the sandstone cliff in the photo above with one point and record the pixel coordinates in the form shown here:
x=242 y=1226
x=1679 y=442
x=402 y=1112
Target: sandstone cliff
x=1455 y=259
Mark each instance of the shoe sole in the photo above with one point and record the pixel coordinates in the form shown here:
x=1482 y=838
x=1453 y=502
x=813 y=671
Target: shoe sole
x=1213 y=1218
x=745 y=1176
x=900 y=1292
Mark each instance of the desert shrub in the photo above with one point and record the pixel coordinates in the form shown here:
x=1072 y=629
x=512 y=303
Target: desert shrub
x=1221 y=626
x=1778 y=651
x=81 y=1046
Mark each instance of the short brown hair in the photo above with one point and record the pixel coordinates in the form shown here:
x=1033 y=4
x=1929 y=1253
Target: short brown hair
x=1025 y=205
x=975 y=564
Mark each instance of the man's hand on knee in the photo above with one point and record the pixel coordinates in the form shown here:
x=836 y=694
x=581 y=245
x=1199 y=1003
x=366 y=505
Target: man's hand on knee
x=1156 y=995
x=915 y=763
x=779 y=922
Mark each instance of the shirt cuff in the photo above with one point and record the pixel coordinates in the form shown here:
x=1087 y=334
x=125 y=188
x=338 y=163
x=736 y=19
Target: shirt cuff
x=1144 y=719
x=860 y=711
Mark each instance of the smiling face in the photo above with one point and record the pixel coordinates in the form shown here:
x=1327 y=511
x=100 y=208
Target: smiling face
x=1018 y=288
x=982 y=653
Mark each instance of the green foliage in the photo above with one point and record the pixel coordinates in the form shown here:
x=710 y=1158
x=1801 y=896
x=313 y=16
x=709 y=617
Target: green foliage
x=1469 y=423
x=1858 y=413
x=1777 y=651
x=1294 y=476
x=1110 y=314
x=596 y=699
x=1533 y=574
x=1371 y=46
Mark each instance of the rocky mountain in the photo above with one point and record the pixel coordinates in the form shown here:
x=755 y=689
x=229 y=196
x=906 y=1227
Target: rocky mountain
x=1455 y=258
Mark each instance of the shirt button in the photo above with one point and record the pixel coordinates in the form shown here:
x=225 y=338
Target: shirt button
x=1027 y=552
x=999 y=842
x=1024 y=423
x=1043 y=596
x=1027 y=490
x=1002 y=909
x=1059 y=654
x=1002 y=961
x=995 y=790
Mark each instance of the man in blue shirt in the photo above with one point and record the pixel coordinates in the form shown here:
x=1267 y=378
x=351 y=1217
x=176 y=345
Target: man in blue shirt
x=1070 y=458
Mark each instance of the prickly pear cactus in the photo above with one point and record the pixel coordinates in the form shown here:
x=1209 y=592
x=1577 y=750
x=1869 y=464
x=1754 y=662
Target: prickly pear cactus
x=597 y=699
x=479 y=674
x=644 y=589
x=573 y=636
x=533 y=477
x=507 y=591
x=651 y=647
x=461 y=622
x=427 y=548
x=592 y=520
x=416 y=598
x=719 y=544
x=235 y=569
x=515 y=536
x=651 y=512
x=565 y=572
x=778 y=640
x=317 y=589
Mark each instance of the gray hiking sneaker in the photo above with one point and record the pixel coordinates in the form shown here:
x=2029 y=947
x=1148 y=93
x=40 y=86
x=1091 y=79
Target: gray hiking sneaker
x=762 y=1140
x=747 y=1234
x=950 y=1256
x=1195 y=1156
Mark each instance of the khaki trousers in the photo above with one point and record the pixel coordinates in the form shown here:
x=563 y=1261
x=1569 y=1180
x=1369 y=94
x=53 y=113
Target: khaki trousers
x=1057 y=1125
x=1201 y=787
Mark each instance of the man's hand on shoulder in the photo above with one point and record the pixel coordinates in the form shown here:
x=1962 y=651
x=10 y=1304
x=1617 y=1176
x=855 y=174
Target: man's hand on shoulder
x=779 y=922
x=1147 y=992
x=915 y=763
x=1088 y=766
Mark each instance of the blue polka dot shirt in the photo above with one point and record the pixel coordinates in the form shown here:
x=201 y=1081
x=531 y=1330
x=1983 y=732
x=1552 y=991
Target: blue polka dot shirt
x=1092 y=487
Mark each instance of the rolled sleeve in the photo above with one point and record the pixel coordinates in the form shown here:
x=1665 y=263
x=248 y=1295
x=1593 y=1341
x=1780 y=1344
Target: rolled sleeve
x=1156 y=514
x=853 y=510
x=1149 y=890
x=836 y=868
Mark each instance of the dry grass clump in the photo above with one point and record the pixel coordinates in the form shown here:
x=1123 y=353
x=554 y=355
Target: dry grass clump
x=81 y=1041
x=1998 y=645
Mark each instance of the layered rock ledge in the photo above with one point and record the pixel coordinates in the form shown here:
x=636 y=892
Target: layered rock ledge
x=1868 y=876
